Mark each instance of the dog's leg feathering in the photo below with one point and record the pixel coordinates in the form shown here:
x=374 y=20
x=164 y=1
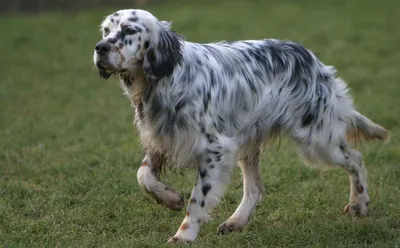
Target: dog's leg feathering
x=148 y=179
x=214 y=174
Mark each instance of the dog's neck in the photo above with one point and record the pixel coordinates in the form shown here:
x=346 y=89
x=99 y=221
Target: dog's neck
x=135 y=85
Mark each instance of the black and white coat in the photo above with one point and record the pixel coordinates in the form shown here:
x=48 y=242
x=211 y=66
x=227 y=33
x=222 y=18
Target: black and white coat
x=210 y=105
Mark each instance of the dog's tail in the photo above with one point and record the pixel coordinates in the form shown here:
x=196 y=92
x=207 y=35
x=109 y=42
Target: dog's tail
x=361 y=129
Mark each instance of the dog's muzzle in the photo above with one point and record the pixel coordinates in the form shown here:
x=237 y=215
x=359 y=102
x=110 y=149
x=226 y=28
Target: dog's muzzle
x=102 y=50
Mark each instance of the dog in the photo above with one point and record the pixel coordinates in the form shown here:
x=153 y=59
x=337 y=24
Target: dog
x=211 y=105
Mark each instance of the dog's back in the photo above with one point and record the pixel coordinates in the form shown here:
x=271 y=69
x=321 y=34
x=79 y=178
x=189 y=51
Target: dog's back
x=257 y=87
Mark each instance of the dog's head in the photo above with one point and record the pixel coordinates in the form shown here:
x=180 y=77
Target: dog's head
x=136 y=40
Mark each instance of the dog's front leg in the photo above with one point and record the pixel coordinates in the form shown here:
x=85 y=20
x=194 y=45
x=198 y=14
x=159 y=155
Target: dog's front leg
x=148 y=178
x=213 y=175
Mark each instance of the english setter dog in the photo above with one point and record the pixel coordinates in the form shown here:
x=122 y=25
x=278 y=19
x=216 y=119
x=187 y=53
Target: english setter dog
x=211 y=105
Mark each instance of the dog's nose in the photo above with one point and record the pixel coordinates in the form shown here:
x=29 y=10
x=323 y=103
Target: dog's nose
x=102 y=47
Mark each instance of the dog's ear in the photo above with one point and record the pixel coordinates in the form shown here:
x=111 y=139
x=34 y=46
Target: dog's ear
x=164 y=52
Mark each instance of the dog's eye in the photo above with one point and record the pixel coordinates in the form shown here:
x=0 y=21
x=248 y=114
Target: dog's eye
x=129 y=31
x=106 y=31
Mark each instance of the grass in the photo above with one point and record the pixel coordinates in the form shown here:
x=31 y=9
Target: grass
x=69 y=153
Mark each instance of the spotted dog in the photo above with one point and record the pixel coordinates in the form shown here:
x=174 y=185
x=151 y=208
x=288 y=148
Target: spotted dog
x=211 y=105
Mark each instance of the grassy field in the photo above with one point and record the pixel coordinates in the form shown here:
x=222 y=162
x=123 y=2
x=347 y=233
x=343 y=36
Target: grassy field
x=69 y=153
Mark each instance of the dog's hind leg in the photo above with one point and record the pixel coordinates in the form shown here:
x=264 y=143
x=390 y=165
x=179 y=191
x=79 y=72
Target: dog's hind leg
x=252 y=189
x=148 y=178
x=351 y=160
x=329 y=144
x=215 y=167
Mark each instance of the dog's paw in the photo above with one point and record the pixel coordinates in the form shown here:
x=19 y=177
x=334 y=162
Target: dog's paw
x=230 y=225
x=357 y=209
x=163 y=194
x=177 y=240
x=168 y=197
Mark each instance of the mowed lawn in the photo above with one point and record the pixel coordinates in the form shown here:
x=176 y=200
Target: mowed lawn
x=69 y=152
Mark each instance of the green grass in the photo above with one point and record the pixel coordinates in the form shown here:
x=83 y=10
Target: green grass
x=69 y=153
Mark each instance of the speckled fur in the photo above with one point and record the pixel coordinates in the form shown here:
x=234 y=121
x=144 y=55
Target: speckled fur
x=208 y=105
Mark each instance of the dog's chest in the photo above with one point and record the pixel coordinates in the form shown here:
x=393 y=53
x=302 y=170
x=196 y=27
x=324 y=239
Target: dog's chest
x=166 y=111
x=161 y=112
x=152 y=106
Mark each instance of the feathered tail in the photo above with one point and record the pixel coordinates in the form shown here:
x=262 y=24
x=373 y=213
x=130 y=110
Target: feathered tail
x=362 y=129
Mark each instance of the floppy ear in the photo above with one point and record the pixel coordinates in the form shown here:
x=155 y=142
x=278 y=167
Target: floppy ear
x=164 y=52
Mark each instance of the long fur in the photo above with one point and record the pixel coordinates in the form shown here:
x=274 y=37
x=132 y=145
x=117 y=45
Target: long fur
x=240 y=92
x=245 y=91
x=210 y=104
x=361 y=129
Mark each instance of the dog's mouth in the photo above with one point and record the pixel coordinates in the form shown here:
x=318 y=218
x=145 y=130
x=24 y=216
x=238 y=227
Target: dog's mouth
x=104 y=74
x=106 y=70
